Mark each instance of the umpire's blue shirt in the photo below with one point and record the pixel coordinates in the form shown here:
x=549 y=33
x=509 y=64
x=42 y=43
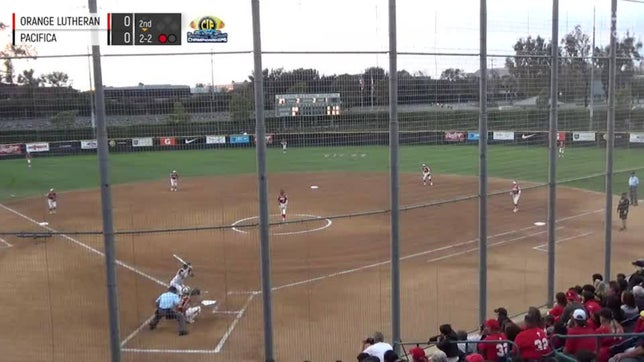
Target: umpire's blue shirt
x=168 y=300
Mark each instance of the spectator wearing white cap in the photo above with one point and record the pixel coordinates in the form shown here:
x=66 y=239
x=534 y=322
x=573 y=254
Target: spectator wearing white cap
x=577 y=327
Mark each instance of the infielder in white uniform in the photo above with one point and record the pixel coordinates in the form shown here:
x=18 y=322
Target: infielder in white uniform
x=427 y=175
x=180 y=277
x=282 y=200
x=174 y=181
x=516 y=195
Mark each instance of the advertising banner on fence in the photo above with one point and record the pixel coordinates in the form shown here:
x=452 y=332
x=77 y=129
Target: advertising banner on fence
x=167 y=141
x=454 y=136
x=11 y=149
x=583 y=136
x=211 y=140
x=37 y=147
x=636 y=138
x=142 y=142
x=473 y=136
x=561 y=136
x=192 y=140
x=88 y=144
x=239 y=139
x=269 y=139
x=67 y=146
x=503 y=136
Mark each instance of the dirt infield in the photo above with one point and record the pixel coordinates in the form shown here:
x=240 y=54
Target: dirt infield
x=330 y=277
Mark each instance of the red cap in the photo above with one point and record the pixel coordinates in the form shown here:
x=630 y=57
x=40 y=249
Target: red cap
x=417 y=353
x=571 y=295
x=493 y=324
x=474 y=357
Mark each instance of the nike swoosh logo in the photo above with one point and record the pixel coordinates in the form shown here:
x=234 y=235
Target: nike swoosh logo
x=525 y=137
x=190 y=141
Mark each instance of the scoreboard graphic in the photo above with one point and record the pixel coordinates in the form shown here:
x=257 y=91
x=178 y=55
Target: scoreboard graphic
x=144 y=29
x=118 y=29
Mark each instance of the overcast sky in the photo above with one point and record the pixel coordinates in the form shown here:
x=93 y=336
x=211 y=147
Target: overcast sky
x=307 y=25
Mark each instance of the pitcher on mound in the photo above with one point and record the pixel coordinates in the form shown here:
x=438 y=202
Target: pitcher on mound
x=282 y=200
x=516 y=195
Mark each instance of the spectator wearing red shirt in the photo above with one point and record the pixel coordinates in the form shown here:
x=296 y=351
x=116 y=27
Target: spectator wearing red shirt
x=578 y=326
x=532 y=341
x=558 y=309
x=590 y=303
x=608 y=325
x=493 y=351
x=639 y=325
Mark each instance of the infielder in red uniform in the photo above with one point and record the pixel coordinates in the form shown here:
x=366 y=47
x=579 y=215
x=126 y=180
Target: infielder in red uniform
x=516 y=195
x=174 y=181
x=51 y=201
x=282 y=200
x=427 y=175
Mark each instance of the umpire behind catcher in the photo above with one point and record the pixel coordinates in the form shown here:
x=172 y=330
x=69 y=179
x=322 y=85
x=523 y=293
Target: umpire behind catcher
x=167 y=304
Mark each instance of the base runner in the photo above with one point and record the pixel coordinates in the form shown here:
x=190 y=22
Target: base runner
x=427 y=175
x=282 y=200
x=174 y=181
x=516 y=195
x=51 y=201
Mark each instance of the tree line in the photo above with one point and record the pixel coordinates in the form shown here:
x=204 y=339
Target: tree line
x=525 y=74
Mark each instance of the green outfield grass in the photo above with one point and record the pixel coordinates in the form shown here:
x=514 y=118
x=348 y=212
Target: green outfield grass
x=511 y=162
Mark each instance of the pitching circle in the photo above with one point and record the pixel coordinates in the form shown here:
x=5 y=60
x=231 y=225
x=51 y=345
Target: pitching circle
x=329 y=222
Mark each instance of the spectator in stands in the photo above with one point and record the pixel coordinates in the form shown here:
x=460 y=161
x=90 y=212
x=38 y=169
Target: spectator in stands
x=496 y=352
x=559 y=329
x=502 y=316
x=633 y=355
x=391 y=356
x=536 y=313
x=585 y=356
x=474 y=357
x=558 y=309
x=628 y=306
x=366 y=357
x=573 y=304
x=590 y=304
x=511 y=330
x=439 y=356
x=608 y=325
x=418 y=354
x=639 y=325
x=467 y=348
x=376 y=346
x=447 y=342
x=578 y=326
x=638 y=293
x=622 y=282
x=532 y=341
x=637 y=278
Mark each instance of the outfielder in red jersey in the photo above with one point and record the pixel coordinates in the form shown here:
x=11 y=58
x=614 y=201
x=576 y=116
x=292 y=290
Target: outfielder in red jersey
x=533 y=341
x=427 y=175
x=282 y=200
x=516 y=195
x=174 y=181
x=51 y=201
x=491 y=351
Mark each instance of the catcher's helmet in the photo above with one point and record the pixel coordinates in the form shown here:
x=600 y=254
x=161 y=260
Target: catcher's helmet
x=185 y=291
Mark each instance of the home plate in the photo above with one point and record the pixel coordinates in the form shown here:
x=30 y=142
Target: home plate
x=315 y=187
x=539 y=223
x=44 y=223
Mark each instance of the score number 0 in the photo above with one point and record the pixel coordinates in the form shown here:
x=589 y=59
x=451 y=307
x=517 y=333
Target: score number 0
x=127 y=22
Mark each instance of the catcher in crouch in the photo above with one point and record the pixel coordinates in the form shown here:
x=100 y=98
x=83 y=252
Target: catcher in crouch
x=184 y=307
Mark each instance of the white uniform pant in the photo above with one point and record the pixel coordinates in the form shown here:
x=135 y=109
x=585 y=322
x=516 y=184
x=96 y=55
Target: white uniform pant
x=283 y=209
x=427 y=177
x=51 y=204
x=192 y=313
x=515 y=199
x=173 y=182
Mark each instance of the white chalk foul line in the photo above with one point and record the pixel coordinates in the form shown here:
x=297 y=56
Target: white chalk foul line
x=426 y=252
x=328 y=223
x=232 y=326
x=87 y=247
x=177 y=351
x=8 y=244
x=136 y=331
x=541 y=247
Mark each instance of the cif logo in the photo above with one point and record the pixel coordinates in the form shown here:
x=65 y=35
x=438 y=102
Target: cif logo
x=207 y=29
x=207 y=23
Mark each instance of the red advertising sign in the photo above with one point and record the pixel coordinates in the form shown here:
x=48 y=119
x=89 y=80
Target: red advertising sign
x=11 y=149
x=168 y=141
x=454 y=136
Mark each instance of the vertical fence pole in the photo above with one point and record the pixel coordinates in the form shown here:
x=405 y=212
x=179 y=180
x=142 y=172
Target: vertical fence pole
x=106 y=196
x=483 y=165
x=552 y=152
x=260 y=142
x=394 y=182
x=610 y=142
